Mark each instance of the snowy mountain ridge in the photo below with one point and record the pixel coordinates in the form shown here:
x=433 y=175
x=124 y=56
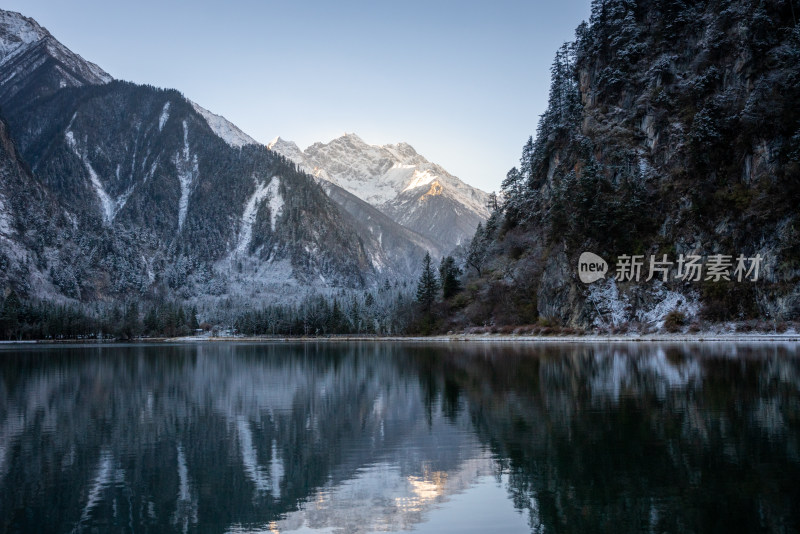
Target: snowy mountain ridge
x=398 y=181
x=225 y=129
x=376 y=173
x=142 y=190
x=26 y=46
x=16 y=32
x=20 y=35
x=413 y=192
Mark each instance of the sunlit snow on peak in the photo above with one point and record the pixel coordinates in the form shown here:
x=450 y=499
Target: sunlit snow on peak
x=420 y=179
x=225 y=130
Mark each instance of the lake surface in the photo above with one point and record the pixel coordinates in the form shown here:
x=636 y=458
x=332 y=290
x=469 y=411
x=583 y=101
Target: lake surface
x=375 y=437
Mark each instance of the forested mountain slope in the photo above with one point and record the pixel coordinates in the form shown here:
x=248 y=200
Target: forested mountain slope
x=132 y=191
x=673 y=128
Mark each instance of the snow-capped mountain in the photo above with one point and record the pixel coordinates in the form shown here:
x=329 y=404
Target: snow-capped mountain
x=401 y=183
x=113 y=189
x=116 y=189
x=393 y=247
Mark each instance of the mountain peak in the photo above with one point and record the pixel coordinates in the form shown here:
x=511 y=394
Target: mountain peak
x=279 y=142
x=36 y=63
x=407 y=187
x=291 y=151
x=350 y=139
x=17 y=31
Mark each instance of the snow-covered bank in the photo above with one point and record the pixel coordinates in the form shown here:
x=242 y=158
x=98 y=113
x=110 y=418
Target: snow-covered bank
x=792 y=337
x=508 y=338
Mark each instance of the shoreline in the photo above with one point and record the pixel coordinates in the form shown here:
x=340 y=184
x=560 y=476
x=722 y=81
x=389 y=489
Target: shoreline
x=510 y=338
x=791 y=337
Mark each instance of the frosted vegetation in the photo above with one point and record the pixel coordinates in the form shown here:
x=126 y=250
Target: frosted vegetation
x=671 y=128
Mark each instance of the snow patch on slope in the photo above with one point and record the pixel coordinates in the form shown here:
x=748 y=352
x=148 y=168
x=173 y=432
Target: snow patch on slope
x=290 y=151
x=109 y=206
x=287 y=149
x=91 y=72
x=610 y=307
x=188 y=171
x=251 y=209
x=6 y=227
x=224 y=129
x=420 y=179
x=613 y=308
x=275 y=200
x=668 y=301
x=164 y=117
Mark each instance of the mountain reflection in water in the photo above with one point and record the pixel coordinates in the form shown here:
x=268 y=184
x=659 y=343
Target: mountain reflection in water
x=366 y=437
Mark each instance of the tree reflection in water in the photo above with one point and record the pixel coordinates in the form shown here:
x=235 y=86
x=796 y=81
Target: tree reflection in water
x=365 y=437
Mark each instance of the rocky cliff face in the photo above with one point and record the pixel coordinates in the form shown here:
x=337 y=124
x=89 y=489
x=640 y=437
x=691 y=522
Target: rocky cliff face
x=672 y=129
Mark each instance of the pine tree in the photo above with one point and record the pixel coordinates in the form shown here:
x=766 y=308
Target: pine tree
x=476 y=253
x=130 y=321
x=427 y=285
x=355 y=315
x=448 y=274
x=526 y=160
x=513 y=192
x=151 y=325
x=512 y=184
x=335 y=319
x=10 y=316
x=193 y=322
x=492 y=204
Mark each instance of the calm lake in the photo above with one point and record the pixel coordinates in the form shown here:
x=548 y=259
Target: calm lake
x=376 y=437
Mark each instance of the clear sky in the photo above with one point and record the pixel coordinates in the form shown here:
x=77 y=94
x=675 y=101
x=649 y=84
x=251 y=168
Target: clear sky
x=463 y=82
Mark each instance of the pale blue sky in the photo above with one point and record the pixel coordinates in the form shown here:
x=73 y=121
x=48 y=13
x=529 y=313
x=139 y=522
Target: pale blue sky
x=463 y=82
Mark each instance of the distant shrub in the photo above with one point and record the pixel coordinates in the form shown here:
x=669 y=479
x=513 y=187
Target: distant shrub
x=674 y=321
x=548 y=322
x=725 y=301
x=623 y=328
x=744 y=327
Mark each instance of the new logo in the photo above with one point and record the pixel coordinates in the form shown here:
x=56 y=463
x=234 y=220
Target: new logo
x=591 y=268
